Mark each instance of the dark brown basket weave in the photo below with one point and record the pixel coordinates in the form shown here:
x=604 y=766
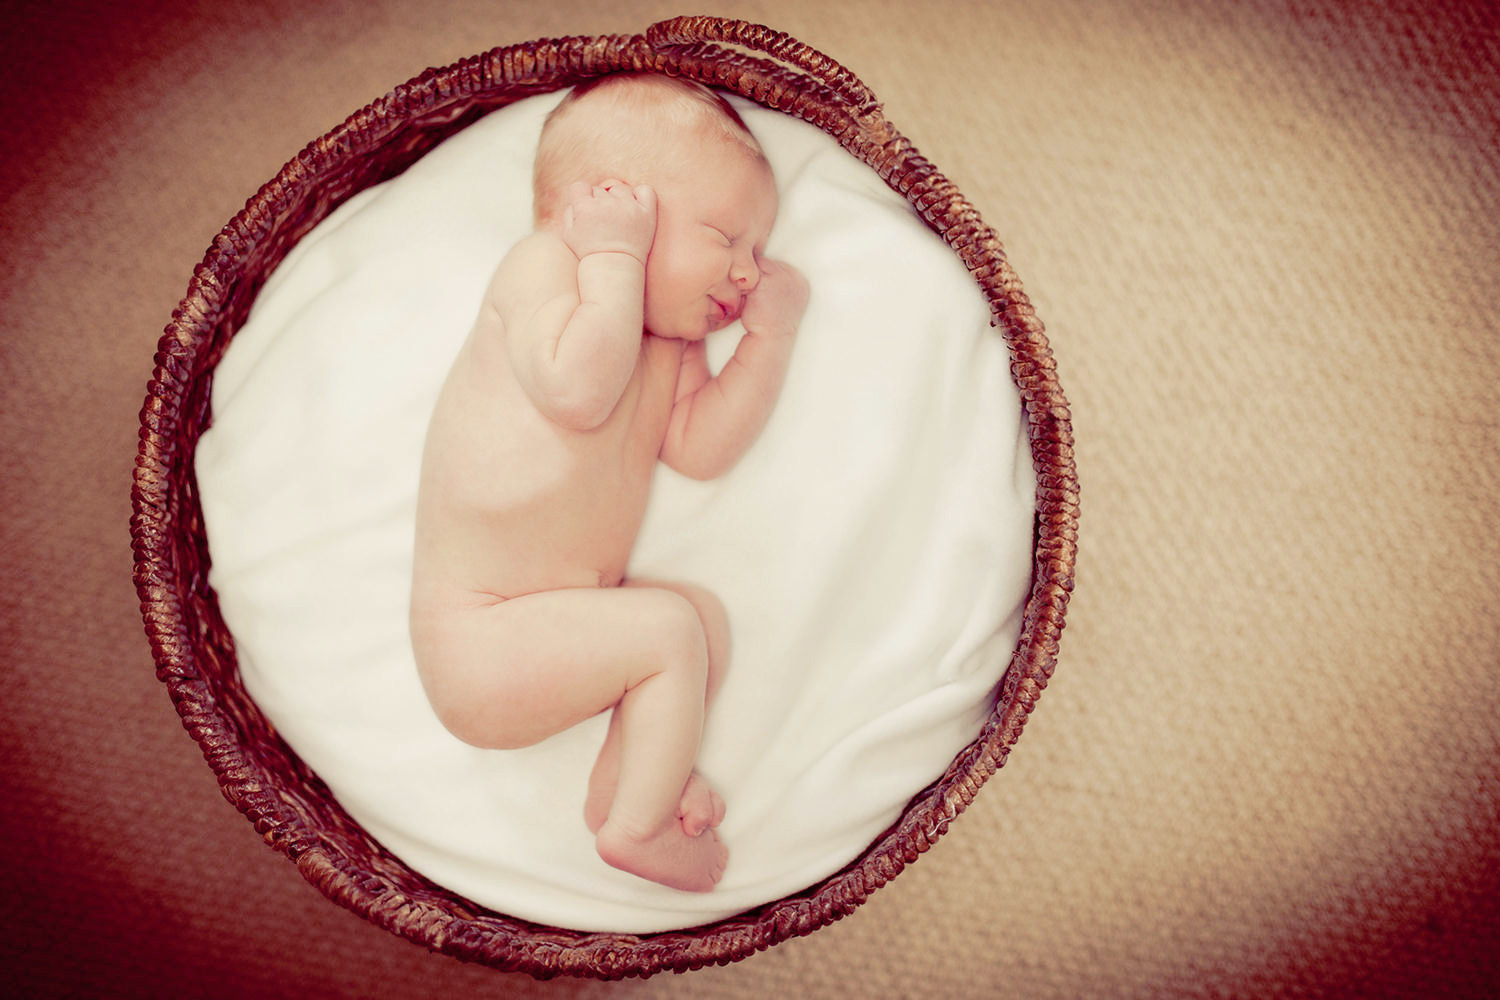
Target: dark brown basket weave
x=194 y=652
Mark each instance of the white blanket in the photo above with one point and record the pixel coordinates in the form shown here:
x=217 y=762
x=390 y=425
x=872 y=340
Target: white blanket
x=873 y=549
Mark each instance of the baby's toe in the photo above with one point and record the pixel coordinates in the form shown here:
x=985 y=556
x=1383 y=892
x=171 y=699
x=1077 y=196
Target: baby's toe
x=700 y=808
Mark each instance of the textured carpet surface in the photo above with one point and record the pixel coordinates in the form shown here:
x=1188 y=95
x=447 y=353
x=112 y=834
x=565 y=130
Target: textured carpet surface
x=1265 y=238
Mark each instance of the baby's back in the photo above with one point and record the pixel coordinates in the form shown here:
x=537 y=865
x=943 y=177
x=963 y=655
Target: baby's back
x=512 y=503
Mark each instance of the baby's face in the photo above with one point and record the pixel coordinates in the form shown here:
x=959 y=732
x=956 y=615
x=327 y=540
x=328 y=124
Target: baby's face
x=711 y=228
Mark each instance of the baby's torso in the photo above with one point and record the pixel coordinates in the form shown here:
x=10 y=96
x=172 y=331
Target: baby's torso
x=512 y=503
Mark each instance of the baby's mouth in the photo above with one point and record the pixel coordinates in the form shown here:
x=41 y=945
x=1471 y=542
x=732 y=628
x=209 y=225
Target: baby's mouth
x=726 y=312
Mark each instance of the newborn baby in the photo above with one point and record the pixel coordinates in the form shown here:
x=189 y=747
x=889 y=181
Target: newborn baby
x=585 y=366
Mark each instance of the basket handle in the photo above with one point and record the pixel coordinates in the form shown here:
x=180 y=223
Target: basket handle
x=777 y=44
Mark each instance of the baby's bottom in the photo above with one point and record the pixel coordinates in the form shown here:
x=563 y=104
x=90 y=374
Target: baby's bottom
x=511 y=673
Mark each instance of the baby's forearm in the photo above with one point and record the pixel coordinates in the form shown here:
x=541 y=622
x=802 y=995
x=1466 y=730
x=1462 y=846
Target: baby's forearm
x=613 y=279
x=716 y=419
x=587 y=365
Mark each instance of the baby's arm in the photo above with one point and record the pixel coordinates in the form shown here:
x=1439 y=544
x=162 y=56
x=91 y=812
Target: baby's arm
x=572 y=307
x=715 y=419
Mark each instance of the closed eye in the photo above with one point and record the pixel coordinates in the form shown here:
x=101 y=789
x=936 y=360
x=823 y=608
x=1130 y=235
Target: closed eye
x=724 y=237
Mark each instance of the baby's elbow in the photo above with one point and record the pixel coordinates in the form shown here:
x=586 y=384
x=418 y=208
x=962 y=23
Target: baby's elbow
x=578 y=411
x=705 y=471
x=698 y=465
x=571 y=402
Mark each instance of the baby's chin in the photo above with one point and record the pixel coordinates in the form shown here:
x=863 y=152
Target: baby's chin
x=686 y=331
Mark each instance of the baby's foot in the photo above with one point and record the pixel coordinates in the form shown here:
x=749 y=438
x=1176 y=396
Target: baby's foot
x=701 y=807
x=670 y=856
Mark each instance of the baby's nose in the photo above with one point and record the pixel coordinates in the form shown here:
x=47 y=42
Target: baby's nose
x=745 y=273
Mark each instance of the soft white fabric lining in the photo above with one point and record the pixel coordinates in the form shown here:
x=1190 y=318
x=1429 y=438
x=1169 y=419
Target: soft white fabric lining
x=873 y=549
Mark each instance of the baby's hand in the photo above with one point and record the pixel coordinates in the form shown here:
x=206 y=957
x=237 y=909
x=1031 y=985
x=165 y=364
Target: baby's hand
x=612 y=217
x=776 y=305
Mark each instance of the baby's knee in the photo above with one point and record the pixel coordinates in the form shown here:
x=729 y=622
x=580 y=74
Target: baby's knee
x=682 y=630
x=710 y=609
x=714 y=621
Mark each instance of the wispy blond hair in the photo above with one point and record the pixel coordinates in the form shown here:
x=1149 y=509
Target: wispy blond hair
x=621 y=126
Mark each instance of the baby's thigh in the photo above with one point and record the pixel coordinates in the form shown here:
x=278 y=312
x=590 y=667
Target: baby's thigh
x=516 y=671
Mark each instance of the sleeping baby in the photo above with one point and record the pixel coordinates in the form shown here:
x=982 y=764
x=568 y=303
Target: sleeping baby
x=585 y=366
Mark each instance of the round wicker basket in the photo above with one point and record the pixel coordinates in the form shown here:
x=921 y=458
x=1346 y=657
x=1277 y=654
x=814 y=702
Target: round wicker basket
x=195 y=655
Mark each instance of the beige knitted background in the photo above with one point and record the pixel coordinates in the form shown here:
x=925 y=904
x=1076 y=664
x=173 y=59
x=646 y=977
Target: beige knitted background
x=1265 y=238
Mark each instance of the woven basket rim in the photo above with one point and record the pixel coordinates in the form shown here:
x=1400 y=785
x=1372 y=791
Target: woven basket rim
x=194 y=654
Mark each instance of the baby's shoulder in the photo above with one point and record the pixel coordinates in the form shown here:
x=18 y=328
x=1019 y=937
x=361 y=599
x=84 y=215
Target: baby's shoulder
x=537 y=268
x=539 y=254
x=539 y=274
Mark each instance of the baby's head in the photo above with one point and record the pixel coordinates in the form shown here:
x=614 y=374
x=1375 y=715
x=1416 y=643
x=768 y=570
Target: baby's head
x=716 y=198
x=631 y=126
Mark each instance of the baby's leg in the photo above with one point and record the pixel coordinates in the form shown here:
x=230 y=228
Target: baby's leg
x=514 y=673
x=700 y=808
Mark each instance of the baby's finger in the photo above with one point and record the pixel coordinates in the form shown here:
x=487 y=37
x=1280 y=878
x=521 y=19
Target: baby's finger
x=646 y=195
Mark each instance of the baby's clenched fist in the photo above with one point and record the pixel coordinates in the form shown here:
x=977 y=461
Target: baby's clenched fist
x=776 y=305
x=611 y=217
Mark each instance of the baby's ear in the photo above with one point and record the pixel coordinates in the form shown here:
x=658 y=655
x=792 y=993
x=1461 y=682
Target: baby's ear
x=545 y=205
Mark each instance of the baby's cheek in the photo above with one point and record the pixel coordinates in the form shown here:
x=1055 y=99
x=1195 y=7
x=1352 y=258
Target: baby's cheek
x=664 y=278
